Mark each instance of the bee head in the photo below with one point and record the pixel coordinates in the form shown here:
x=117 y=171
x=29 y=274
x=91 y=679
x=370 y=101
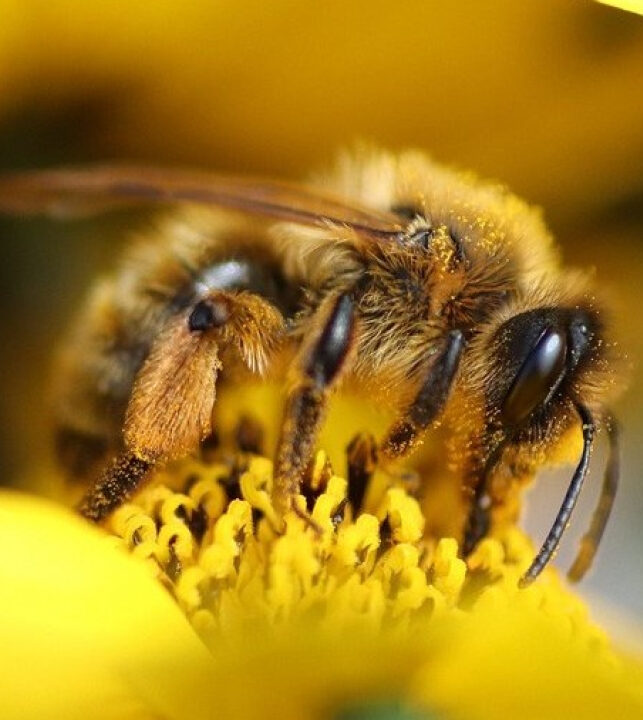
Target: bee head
x=537 y=369
x=544 y=359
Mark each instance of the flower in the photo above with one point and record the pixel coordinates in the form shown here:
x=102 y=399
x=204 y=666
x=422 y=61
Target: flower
x=272 y=88
x=635 y=6
x=369 y=616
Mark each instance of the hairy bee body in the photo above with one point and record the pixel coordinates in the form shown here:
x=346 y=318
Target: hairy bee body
x=441 y=296
x=485 y=244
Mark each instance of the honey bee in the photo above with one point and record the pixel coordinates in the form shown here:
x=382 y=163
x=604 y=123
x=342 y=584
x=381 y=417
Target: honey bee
x=439 y=294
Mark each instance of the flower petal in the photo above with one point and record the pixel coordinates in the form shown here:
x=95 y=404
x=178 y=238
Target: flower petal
x=86 y=630
x=520 y=662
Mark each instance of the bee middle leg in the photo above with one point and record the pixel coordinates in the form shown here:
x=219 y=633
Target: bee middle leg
x=316 y=371
x=361 y=456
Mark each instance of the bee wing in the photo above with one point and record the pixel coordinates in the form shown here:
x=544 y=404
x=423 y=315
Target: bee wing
x=85 y=191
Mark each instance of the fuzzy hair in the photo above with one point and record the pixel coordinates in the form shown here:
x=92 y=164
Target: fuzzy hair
x=410 y=299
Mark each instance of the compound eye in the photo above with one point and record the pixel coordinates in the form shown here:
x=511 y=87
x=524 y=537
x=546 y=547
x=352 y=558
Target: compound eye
x=537 y=378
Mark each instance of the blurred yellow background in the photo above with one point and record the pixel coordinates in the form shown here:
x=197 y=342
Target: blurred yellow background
x=545 y=96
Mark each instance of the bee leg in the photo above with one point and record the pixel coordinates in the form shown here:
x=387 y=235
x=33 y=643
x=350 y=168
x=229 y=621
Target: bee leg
x=361 y=455
x=170 y=410
x=316 y=371
x=429 y=402
x=479 y=519
x=592 y=538
x=114 y=486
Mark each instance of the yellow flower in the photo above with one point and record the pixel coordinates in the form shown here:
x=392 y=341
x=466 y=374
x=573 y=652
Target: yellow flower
x=85 y=631
x=370 y=618
x=635 y=6
x=275 y=86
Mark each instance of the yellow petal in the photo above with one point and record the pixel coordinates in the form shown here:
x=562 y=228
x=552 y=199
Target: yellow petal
x=517 y=663
x=635 y=6
x=86 y=631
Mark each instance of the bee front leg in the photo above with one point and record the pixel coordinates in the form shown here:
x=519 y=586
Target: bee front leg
x=478 y=521
x=314 y=375
x=429 y=401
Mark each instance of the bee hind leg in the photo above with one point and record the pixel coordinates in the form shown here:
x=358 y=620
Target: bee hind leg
x=313 y=376
x=114 y=486
x=170 y=409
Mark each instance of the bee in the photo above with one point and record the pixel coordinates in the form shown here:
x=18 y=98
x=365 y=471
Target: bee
x=440 y=295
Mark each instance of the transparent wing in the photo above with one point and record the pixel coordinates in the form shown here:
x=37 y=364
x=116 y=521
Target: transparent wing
x=73 y=192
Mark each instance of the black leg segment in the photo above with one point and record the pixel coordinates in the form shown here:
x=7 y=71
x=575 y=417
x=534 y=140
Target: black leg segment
x=116 y=484
x=429 y=401
x=319 y=368
x=361 y=455
x=330 y=350
x=479 y=520
x=592 y=538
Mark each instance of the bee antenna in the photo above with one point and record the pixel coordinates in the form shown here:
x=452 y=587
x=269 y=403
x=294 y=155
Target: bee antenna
x=552 y=540
x=592 y=538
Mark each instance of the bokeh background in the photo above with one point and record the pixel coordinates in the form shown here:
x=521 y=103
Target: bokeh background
x=544 y=95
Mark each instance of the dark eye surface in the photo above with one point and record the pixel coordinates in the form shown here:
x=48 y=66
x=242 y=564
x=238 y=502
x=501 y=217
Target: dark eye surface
x=537 y=378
